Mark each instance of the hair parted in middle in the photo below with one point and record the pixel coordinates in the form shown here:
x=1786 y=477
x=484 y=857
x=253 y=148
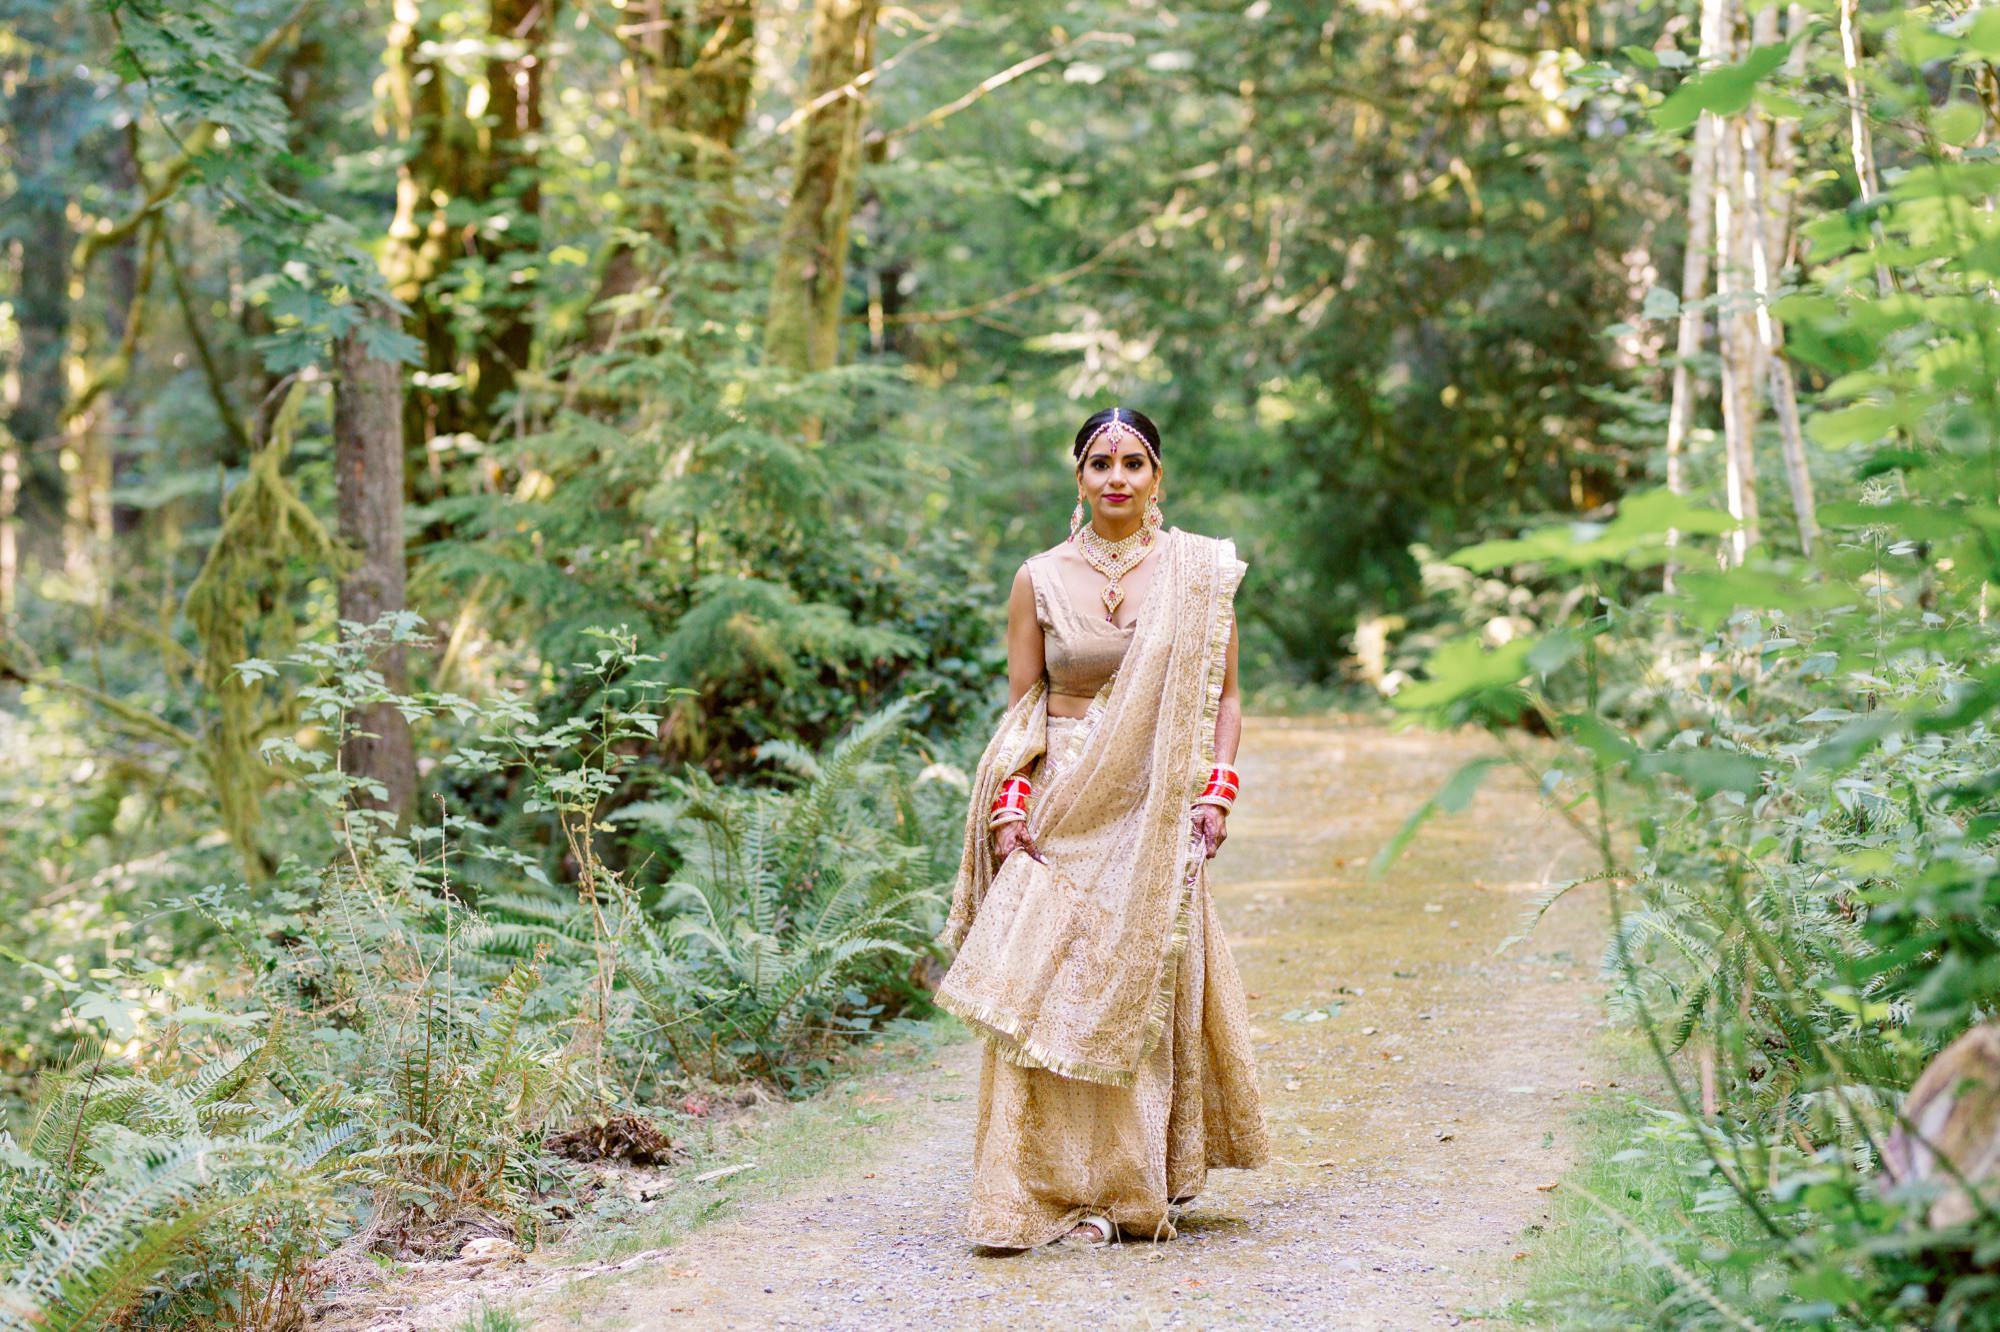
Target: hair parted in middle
x=1116 y=420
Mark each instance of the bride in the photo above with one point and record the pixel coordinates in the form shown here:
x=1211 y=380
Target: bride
x=1117 y=1068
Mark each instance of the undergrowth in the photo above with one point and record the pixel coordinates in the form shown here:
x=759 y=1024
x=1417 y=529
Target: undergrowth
x=386 y=1035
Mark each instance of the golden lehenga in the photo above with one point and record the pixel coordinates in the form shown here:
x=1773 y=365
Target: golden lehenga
x=1118 y=1067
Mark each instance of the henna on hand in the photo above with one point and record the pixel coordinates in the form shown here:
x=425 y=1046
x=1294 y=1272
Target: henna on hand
x=1213 y=826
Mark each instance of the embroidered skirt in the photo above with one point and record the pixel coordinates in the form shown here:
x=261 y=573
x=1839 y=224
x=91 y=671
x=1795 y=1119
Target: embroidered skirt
x=1049 y=1149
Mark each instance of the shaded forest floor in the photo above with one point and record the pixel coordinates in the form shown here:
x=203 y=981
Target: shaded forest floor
x=1416 y=1129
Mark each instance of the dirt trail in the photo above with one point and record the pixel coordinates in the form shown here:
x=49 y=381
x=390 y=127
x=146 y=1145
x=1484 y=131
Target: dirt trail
x=1410 y=1129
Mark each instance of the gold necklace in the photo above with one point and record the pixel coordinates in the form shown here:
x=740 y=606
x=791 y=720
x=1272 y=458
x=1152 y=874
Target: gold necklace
x=1110 y=558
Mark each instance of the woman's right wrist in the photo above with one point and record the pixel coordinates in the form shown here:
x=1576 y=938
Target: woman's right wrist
x=1010 y=805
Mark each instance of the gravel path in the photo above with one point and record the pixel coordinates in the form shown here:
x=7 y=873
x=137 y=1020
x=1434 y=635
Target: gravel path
x=1415 y=1129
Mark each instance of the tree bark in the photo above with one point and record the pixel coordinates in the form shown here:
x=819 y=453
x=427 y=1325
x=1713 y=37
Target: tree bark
x=802 y=331
x=1766 y=255
x=10 y=541
x=688 y=73
x=368 y=469
x=41 y=299
x=512 y=164
x=439 y=156
x=1861 y=142
x=1694 y=274
x=1733 y=334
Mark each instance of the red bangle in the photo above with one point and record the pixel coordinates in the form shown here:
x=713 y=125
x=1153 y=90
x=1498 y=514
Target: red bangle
x=1223 y=783
x=1011 y=804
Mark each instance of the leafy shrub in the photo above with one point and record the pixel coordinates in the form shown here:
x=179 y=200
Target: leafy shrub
x=449 y=993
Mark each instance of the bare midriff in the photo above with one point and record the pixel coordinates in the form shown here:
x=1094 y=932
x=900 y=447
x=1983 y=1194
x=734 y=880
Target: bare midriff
x=1068 y=705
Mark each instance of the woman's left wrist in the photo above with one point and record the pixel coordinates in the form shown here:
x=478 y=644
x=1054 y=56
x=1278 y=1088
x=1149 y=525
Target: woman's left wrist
x=1220 y=790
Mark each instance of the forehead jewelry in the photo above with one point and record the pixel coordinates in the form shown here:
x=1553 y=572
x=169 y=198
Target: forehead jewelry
x=1118 y=428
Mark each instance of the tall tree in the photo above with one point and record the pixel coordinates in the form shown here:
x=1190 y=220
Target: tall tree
x=1769 y=238
x=688 y=72
x=1860 y=138
x=1734 y=227
x=368 y=473
x=1694 y=268
x=511 y=161
x=40 y=253
x=438 y=154
x=802 y=331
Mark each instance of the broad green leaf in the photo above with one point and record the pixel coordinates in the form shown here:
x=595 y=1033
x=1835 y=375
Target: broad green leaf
x=1864 y=422
x=1452 y=798
x=119 y=1015
x=1461 y=668
x=1958 y=124
x=1724 y=91
x=1639 y=528
x=1610 y=747
x=1706 y=770
x=1920 y=43
x=1707 y=597
x=1660 y=304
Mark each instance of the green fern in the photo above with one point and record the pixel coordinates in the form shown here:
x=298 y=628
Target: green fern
x=786 y=899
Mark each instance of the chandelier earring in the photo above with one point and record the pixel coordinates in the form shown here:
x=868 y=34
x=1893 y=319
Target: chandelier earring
x=1076 y=515
x=1154 y=518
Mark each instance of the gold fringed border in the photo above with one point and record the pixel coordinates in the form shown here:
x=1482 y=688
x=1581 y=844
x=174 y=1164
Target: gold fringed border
x=1219 y=630
x=1218 y=661
x=1003 y=1032
x=1014 y=743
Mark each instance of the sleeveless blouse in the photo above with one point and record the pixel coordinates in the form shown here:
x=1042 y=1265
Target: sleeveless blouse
x=1079 y=651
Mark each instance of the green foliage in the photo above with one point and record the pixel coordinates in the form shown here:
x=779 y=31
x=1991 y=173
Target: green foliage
x=136 y=1172
x=1786 y=771
x=449 y=997
x=793 y=903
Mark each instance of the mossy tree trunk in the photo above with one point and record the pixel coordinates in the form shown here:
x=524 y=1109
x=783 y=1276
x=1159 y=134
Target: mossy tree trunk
x=368 y=470
x=41 y=300
x=689 y=70
x=511 y=160
x=440 y=155
x=802 y=331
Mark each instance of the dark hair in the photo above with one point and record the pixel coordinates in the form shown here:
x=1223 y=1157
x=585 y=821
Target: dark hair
x=1137 y=420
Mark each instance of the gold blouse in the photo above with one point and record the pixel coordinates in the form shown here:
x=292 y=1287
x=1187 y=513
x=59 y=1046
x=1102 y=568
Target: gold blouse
x=1079 y=651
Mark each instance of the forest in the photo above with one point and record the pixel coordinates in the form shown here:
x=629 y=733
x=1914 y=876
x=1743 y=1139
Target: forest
x=507 y=506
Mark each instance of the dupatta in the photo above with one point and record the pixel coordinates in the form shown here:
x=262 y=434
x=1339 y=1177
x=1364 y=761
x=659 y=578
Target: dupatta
x=1070 y=965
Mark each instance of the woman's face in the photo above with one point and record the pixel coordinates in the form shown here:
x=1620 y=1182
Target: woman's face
x=1117 y=477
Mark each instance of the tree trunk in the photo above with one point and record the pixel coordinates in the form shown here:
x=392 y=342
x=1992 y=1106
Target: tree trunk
x=41 y=300
x=688 y=76
x=803 y=328
x=512 y=162
x=88 y=416
x=1861 y=143
x=10 y=541
x=1759 y=212
x=1737 y=344
x=439 y=155
x=1694 y=273
x=368 y=471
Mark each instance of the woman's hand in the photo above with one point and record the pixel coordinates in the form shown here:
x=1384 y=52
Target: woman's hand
x=1014 y=837
x=1212 y=826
